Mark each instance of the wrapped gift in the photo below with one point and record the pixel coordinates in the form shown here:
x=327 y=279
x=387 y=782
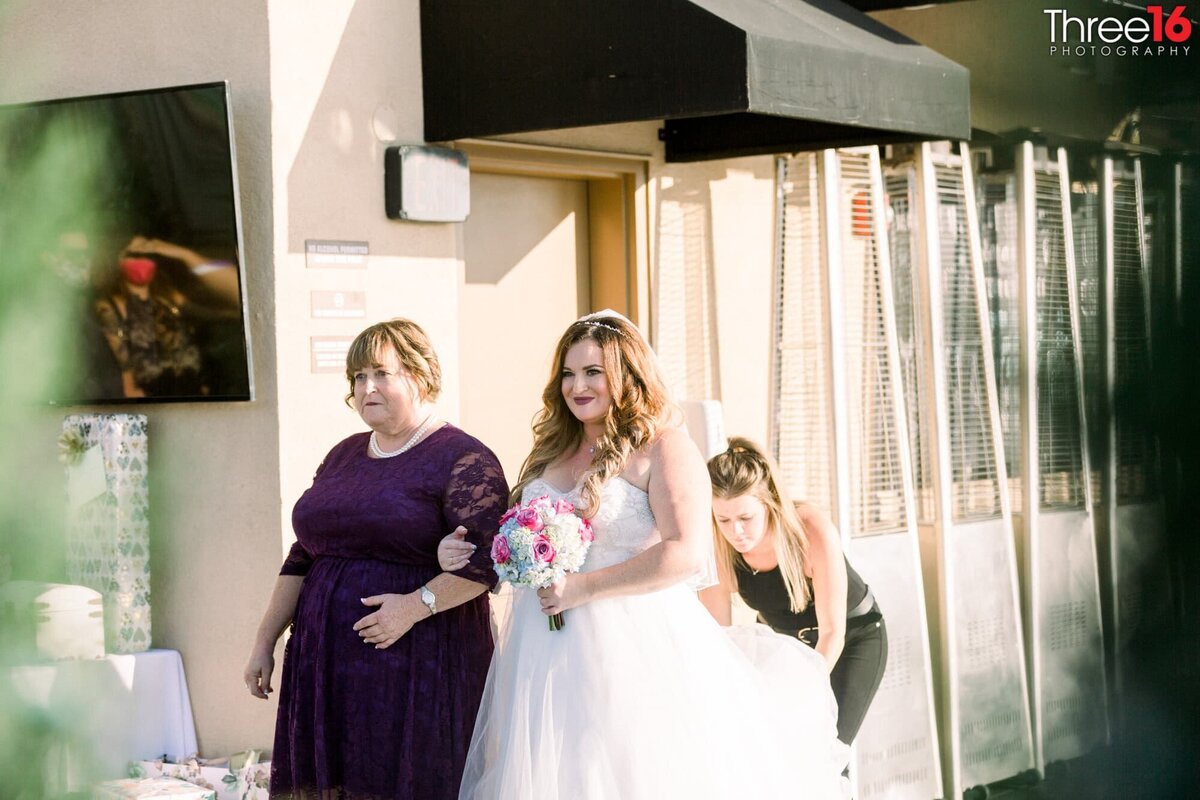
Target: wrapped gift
x=108 y=531
x=151 y=787
x=51 y=621
x=242 y=776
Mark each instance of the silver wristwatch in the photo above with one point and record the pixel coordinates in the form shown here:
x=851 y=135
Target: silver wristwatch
x=429 y=599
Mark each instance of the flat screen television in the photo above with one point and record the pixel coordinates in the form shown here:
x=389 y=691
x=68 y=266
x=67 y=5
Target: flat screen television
x=127 y=204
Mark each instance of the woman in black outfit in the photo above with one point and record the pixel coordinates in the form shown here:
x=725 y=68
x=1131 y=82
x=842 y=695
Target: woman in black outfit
x=786 y=562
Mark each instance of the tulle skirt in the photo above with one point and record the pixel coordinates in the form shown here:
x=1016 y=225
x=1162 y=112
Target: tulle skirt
x=648 y=697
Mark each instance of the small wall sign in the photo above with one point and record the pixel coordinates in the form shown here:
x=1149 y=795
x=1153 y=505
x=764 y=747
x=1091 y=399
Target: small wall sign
x=329 y=353
x=339 y=305
x=328 y=253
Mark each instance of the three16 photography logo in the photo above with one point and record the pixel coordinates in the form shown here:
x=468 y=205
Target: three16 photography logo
x=1151 y=31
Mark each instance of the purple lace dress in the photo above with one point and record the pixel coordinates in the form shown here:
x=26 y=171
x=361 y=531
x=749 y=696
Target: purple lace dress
x=356 y=722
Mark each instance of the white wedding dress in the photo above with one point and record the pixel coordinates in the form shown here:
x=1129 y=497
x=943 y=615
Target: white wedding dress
x=646 y=696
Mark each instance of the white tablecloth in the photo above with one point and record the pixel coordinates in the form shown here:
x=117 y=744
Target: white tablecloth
x=110 y=711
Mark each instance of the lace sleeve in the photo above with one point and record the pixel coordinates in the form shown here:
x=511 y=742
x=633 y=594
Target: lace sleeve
x=297 y=562
x=476 y=498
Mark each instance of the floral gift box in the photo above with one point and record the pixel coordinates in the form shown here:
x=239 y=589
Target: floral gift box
x=108 y=520
x=238 y=777
x=151 y=787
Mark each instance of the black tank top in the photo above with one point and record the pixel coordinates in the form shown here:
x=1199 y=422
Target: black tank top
x=766 y=593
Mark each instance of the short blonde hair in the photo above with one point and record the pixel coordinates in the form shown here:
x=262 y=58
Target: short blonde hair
x=412 y=347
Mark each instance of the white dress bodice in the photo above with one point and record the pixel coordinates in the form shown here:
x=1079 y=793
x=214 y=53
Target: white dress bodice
x=624 y=526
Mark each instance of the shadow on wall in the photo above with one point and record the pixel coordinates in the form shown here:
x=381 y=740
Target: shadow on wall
x=372 y=93
x=545 y=207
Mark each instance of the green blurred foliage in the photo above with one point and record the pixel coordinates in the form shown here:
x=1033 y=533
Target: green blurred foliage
x=47 y=224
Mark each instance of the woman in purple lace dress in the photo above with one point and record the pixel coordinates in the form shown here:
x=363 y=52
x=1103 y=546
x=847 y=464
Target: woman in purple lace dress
x=385 y=667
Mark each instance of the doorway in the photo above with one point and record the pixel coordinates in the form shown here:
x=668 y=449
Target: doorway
x=552 y=235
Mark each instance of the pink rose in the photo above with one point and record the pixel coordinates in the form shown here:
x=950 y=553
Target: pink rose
x=530 y=518
x=585 y=531
x=541 y=549
x=563 y=506
x=500 y=551
x=512 y=512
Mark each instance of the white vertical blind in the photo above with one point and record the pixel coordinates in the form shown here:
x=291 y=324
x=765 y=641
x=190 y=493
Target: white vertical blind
x=684 y=309
x=803 y=425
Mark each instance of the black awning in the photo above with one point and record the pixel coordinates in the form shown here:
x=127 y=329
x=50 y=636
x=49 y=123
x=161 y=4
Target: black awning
x=728 y=77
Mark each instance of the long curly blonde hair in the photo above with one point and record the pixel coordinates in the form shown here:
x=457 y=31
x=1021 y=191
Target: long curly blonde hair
x=641 y=407
x=745 y=469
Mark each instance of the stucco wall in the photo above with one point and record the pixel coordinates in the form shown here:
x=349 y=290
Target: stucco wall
x=347 y=83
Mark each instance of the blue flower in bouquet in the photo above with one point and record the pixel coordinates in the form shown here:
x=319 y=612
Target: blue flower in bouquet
x=539 y=542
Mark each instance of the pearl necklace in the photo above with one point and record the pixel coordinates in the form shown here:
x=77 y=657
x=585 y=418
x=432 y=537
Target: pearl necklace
x=379 y=452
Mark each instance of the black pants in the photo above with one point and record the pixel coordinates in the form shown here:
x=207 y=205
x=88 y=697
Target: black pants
x=857 y=674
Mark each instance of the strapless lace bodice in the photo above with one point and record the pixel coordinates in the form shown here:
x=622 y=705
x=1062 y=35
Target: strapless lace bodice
x=624 y=525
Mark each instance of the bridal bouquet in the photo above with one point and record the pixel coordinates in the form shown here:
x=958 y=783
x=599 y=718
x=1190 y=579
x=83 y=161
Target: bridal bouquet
x=539 y=542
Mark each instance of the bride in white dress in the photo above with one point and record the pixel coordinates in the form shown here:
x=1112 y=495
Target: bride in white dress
x=641 y=694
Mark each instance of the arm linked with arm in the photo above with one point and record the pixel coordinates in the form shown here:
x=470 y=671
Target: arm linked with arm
x=475 y=498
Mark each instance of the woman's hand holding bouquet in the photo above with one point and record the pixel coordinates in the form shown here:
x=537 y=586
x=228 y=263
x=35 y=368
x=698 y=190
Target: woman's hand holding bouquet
x=538 y=543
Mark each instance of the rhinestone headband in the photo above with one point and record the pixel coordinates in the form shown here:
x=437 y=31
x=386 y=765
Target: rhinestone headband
x=596 y=324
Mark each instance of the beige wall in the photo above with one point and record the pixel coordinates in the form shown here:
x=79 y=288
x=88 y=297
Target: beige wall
x=743 y=214
x=346 y=84
x=714 y=239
